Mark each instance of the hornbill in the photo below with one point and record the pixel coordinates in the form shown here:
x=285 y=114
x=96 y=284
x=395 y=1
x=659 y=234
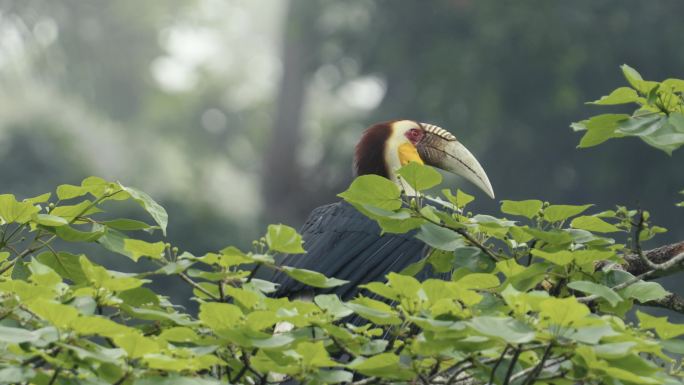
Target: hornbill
x=343 y=243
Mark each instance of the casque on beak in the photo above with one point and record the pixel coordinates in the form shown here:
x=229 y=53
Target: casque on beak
x=440 y=149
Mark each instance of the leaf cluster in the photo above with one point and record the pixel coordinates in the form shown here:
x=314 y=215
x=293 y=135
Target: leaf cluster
x=532 y=295
x=658 y=119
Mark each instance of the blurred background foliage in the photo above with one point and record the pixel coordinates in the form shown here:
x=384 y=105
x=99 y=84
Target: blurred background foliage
x=235 y=114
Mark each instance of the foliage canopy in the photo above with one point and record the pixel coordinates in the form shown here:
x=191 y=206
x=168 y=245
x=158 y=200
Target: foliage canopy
x=535 y=296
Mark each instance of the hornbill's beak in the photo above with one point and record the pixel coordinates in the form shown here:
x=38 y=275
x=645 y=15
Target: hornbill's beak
x=440 y=149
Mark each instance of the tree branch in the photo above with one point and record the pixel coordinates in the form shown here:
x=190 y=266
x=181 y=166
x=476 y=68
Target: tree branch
x=656 y=263
x=672 y=302
x=669 y=259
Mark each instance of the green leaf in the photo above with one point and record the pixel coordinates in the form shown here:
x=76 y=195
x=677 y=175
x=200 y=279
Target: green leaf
x=332 y=305
x=174 y=380
x=644 y=291
x=375 y=311
x=98 y=276
x=399 y=221
x=68 y=191
x=599 y=129
x=674 y=346
x=662 y=132
x=632 y=76
x=440 y=237
x=312 y=278
x=478 y=281
x=126 y=224
x=675 y=85
x=99 y=326
x=561 y=258
x=13 y=211
x=564 y=311
x=594 y=224
x=460 y=200
x=54 y=312
x=505 y=328
x=219 y=316
x=12 y=335
x=635 y=79
x=158 y=315
x=382 y=290
x=528 y=208
x=70 y=234
x=136 y=345
x=665 y=329
x=420 y=177
x=139 y=296
x=153 y=208
x=65 y=264
x=594 y=288
x=384 y=365
x=20 y=271
x=557 y=213
x=620 y=95
x=138 y=248
x=375 y=191
x=42 y=198
x=284 y=239
x=70 y=212
x=333 y=377
x=232 y=256
x=314 y=355
x=50 y=220
x=404 y=285
x=179 y=334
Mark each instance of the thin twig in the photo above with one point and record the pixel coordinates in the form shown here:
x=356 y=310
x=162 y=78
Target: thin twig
x=467 y=236
x=538 y=368
x=498 y=362
x=365 y=381
x=54 y=375
x=511 y=366
x=621 y=286
x=194 y=284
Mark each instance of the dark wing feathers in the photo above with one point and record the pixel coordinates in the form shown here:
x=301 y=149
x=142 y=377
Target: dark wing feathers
x=345 y=244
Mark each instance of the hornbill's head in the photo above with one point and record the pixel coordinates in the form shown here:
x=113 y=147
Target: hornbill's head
x=385 y=147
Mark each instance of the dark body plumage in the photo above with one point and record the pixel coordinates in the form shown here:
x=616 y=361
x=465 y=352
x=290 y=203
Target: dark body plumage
x=343 y=243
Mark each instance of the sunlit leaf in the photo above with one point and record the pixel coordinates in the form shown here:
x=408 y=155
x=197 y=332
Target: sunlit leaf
x=592 y=223
x=556 y=213
x=620 y=95
x=507 y=329
x=284 y=239
x=594 y=288
x=384 y=364
x=420 y=177
x=312 y=278
x=156 y=211
x=562 y=257
x=528 y=208
x=563 y=311
x=644 y=291
x=440 y=237
x=138 y=248
x=13 y=211
x=375 y=191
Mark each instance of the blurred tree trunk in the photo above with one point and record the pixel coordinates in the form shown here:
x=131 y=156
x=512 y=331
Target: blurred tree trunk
x=283 y=189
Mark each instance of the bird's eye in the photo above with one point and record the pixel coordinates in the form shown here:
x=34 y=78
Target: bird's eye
x=414 y=134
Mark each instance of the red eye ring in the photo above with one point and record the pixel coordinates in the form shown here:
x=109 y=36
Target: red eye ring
x=414 y=135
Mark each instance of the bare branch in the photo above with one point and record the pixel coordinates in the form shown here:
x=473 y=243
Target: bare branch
x=668 y=258
x=672 y=302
